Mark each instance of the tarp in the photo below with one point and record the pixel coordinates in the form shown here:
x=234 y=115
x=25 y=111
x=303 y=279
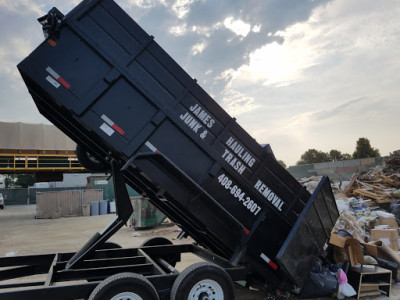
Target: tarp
x=24 y=136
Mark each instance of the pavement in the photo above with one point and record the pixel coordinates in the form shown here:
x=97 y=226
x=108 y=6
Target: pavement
x=22 y=234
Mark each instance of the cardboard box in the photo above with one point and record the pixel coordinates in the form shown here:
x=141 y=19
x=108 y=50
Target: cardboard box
x=371 y=249
x=337 y=240
x=386 y=221
x=389 y=237
x=347 y=245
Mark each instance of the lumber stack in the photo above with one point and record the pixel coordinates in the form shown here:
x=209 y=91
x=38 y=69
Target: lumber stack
x=380 y=188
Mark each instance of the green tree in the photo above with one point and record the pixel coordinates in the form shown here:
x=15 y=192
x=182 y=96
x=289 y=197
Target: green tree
x=312 y=156
x=25 y=180
x=364 y=149
x=336 y=155
x=9 y=181
x=347 y=156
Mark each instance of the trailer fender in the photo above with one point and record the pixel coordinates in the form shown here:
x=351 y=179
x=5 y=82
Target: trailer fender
x=172 y=259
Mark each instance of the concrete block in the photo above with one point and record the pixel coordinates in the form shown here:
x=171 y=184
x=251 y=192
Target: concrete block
x=368 y=161
x=352 y=162
x=320 y=166
x=326 y=171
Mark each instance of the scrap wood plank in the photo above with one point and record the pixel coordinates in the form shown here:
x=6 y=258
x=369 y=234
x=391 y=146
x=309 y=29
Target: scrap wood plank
x=379 y=198
x=352 y=185
x=370 y=203
x=389 y=181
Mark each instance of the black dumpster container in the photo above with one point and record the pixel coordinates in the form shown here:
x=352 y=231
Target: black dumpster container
x=110 y=87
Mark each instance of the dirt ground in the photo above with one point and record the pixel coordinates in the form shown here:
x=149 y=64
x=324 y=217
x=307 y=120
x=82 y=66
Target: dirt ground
x=22 y=234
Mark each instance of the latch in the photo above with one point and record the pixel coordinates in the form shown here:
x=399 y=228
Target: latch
x=51 y=23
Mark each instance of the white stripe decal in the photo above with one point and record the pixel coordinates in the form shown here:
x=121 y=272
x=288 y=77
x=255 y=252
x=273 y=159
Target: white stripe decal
x=107 y=120
x=264 y=257
x=151 y=146
x=52 y=73
x=107 y=129
x=53 y=81
x=270 y=262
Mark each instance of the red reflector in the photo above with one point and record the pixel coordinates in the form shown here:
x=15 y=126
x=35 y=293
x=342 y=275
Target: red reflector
x=51 y=42
x=246 y=230
x=268 y=261
x=118 y=129
x=273 y=265
x=64 y=83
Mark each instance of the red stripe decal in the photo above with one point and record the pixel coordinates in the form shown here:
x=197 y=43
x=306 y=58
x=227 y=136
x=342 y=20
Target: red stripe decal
x=273 y=265
x=64 y=83
x=118 y=129
x=246 y=230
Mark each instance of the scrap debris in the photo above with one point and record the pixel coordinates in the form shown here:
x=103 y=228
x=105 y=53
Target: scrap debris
x=367 y=231
x=380 y=188
x=366 y=200
x=376 y=187
x=392 y=162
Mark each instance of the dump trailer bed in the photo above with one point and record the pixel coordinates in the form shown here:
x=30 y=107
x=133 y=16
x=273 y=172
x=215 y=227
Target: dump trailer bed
x=109 y=86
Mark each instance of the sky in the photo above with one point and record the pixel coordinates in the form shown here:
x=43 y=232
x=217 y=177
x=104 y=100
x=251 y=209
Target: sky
x=296 y=74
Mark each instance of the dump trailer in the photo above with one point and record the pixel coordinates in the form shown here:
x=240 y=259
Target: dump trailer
x=101 y=79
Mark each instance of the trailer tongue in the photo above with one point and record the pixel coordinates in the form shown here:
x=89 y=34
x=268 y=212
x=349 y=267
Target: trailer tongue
x=131 y=109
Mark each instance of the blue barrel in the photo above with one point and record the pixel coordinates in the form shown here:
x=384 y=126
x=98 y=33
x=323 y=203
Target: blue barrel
x=103 y=207
x=94 y=208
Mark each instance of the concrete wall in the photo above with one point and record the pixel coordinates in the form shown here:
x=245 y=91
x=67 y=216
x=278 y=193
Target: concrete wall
x=336 y=169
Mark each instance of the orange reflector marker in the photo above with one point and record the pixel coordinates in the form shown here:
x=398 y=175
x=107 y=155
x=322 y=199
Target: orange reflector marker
x=52 y=42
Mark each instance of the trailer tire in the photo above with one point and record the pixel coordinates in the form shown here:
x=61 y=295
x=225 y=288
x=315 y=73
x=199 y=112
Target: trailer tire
x=203 y=280
x=125 y=286
x=172 y=259
x=88 y=161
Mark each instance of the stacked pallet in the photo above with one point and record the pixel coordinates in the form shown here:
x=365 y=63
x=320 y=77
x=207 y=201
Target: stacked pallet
x=380 y=188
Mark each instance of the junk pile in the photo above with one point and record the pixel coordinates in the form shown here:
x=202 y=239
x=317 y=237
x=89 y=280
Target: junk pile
x=377 y=187
x=364 y=244
x=392 y=162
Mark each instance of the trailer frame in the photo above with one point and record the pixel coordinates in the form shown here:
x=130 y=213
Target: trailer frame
x=75 y=275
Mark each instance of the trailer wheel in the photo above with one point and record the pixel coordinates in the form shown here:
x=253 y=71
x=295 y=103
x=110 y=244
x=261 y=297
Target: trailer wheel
x=172 y=259
x=88 y=161
x=1 y=206
x=203 y=281
x=125 y=286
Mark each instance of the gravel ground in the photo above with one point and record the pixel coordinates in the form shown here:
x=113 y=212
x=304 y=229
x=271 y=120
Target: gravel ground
x=22 y=234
